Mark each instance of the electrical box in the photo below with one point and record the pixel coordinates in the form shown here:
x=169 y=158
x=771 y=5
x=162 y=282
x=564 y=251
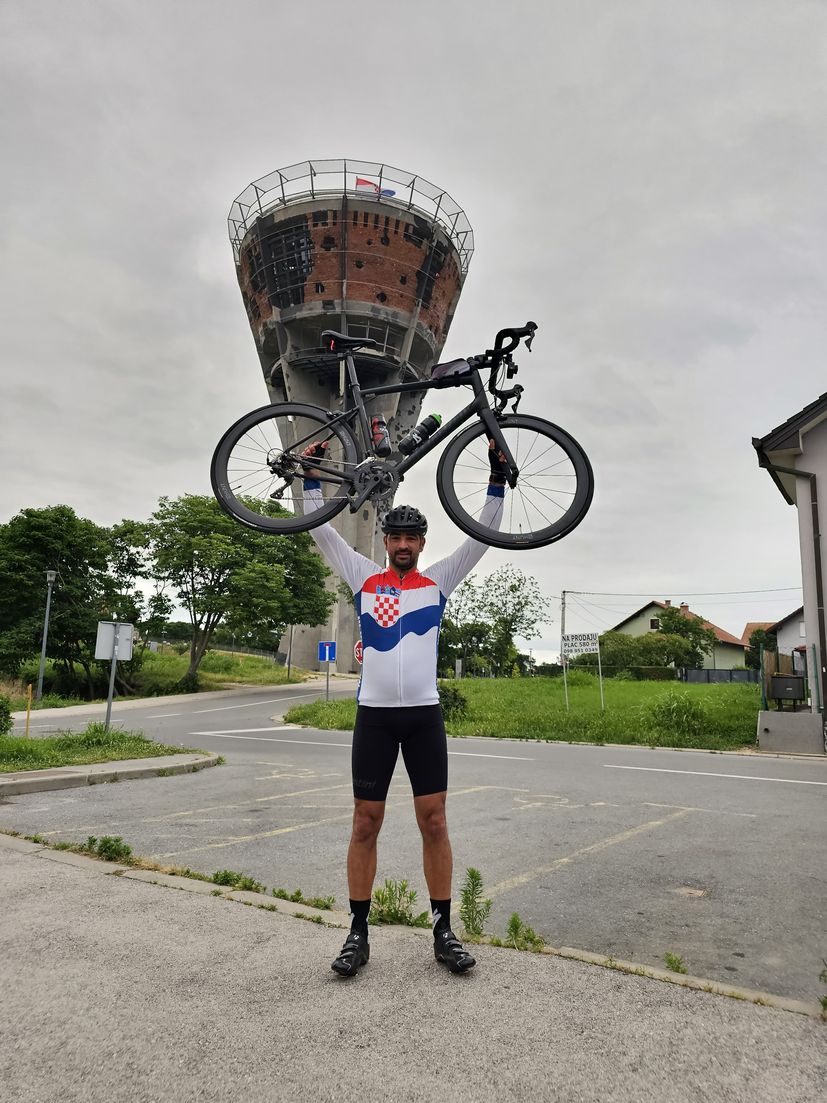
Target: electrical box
x=787 y=687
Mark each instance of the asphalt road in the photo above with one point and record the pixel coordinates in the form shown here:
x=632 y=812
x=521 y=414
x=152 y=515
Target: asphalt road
x=618 y=850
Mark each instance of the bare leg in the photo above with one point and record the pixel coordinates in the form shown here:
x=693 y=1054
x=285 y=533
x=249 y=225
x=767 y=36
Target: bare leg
x=361 y=855
x=437 y=860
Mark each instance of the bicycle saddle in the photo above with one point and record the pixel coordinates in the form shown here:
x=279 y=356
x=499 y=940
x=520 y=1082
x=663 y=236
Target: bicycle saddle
x=340 y=342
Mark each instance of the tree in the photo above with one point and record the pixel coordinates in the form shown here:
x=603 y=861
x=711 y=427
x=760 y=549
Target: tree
x=54 y=538
x=759 y=638
x=513 y=606
x=225 y=573
x=702 y=640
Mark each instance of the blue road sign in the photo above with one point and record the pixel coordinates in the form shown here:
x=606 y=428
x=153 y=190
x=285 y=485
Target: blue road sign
x=327 y=652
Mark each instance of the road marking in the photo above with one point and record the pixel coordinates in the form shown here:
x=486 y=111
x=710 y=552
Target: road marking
x=234 y=733
x=709 y=773
x=246 y=803
x=694 y=808
x=163 y=715
x=254 y=704
x=603 y=844
x=294 y=827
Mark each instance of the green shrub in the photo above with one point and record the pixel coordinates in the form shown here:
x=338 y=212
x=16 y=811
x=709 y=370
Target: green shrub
x=454 y=703
x=6 y=722
x=473 y=909
x=522 y=937
x=393 y=903
x=111 y=848
x=187 y=684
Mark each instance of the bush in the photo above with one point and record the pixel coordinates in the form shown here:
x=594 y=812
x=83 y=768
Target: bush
x=187 y=684
x=393 y=903
x=454 y=703
x=216 y=663
x=6 y=722
x=580 y=678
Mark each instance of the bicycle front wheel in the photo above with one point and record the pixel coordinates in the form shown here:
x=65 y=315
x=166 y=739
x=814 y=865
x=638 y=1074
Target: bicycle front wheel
x=257 y=474
x=553 y=492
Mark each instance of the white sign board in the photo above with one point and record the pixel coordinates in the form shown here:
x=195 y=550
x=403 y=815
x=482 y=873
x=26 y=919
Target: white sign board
x=106 y=639
x=580 y=643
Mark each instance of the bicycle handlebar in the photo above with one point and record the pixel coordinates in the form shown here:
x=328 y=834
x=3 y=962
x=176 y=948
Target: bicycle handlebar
x=513 y=336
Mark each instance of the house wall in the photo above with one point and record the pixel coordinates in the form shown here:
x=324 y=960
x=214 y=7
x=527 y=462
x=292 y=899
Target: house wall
x=725 y=656
x=791 y=634
x=639 y=625
x=813 y=458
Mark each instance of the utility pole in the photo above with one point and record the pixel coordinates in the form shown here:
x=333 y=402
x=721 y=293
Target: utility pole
x=563 y=646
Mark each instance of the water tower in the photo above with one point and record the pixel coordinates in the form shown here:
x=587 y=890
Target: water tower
x=367 y=250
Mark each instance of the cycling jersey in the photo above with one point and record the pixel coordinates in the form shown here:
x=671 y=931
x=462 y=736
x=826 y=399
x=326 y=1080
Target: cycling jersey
x=399 y=618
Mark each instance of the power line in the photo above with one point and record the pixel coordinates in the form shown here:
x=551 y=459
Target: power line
x=702 y=593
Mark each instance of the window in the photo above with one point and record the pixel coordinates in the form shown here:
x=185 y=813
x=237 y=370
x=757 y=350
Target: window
x=654 y=624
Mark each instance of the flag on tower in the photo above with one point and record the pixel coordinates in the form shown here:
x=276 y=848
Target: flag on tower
x=368 y=185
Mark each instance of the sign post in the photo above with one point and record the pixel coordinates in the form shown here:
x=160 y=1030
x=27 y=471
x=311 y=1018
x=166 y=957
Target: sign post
x=583 y=643
x=327 y=654
x=114 y=642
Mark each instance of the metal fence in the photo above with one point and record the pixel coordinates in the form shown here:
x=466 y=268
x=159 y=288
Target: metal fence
x=719 y=677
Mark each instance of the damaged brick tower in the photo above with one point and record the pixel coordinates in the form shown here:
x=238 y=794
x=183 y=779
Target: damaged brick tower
x=367 y=250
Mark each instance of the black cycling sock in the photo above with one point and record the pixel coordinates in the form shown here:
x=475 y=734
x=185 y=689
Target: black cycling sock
x=441 y=913
x=359 y=915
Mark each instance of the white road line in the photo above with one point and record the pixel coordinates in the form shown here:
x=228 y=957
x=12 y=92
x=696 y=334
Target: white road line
x=708 y=773
x=234 y=733
x=162 y=715
x=253 y=704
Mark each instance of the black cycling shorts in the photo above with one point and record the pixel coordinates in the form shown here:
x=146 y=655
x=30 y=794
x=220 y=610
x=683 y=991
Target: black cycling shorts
x=377 y=737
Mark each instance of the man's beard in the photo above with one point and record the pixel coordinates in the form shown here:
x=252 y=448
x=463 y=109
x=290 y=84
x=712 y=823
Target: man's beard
x=407 y=563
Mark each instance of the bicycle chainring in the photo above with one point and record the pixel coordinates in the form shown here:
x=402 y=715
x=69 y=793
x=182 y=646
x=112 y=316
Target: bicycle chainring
x=381 y=477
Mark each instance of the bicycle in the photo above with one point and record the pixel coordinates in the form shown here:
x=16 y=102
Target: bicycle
x=258 y=466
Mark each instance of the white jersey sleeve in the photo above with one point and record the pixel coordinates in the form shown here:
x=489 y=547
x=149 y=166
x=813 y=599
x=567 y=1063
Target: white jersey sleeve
x=352 y=567
x=450 y=571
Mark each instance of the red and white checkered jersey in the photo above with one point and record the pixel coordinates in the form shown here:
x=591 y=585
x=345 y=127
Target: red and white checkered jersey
x=399 y=618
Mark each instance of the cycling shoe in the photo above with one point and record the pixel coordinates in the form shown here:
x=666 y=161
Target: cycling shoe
x=353 y=956
x=449 y=950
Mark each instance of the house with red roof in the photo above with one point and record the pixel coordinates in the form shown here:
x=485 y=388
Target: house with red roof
x=727 y=654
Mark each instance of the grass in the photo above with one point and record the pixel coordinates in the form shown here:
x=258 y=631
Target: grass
x=674 y=962
x=94 y=744
x=394 y=902
x=658 y=714
x=161 y=672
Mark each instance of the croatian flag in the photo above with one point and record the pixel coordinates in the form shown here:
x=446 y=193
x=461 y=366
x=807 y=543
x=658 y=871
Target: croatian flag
x=368 y=185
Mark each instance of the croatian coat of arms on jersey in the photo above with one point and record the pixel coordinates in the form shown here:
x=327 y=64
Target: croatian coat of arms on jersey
x=386 y=606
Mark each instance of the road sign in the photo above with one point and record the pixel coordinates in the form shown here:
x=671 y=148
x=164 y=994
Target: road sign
x=580 y=643
x=358 y=651
x=105 y=642
x=327 y=652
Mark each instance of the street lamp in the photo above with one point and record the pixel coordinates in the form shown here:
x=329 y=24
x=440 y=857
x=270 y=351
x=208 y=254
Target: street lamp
x=50 y=581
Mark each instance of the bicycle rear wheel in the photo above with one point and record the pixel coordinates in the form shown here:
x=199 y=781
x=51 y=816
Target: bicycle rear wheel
x=257 y=475
x=553 y=492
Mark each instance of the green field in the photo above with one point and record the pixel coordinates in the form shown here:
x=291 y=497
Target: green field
x=77 y=749
x=657 y=714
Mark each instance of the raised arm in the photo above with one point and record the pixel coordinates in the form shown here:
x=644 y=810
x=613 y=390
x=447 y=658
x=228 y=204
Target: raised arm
x=447 y=573
x=348 y=564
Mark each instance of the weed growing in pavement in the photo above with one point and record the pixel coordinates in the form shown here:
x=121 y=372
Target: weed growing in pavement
x=323 y=903
x=522 y=937
x=473 y=909
x=674 y=962
x=111 y=848
x=310 y=918
x=240 y=881
x=393 y=903
x=822 y=976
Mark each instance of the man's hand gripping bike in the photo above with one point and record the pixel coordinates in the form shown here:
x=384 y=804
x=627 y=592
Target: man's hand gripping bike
x=259 y=465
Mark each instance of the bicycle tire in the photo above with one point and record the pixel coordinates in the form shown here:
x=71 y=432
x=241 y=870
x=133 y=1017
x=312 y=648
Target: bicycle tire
x=237 y=466
x=463 y=473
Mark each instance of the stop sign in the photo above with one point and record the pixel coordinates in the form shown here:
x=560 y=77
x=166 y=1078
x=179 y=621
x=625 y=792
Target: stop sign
x=357 y=651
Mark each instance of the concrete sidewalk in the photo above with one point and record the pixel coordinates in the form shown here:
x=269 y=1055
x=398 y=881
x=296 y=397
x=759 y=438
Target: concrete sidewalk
x=118 y=989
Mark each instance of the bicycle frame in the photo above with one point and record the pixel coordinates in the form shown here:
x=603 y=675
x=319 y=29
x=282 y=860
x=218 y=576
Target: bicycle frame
x=479 y=406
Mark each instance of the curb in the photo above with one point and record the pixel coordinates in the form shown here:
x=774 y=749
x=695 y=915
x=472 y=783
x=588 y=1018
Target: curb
x=100 y=773
x=340 y=919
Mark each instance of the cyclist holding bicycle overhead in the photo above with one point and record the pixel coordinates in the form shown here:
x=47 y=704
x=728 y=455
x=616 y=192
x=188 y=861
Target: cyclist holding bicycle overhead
x=400 y=610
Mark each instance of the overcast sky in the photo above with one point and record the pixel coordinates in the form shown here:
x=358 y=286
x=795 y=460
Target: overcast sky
x=645 y=180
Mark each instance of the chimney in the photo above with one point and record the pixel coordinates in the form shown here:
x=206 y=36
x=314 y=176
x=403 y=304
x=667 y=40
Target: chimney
x=684 y=609
x=668 y=602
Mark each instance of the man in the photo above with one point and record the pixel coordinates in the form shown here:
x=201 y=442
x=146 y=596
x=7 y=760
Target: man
x=400 y=611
